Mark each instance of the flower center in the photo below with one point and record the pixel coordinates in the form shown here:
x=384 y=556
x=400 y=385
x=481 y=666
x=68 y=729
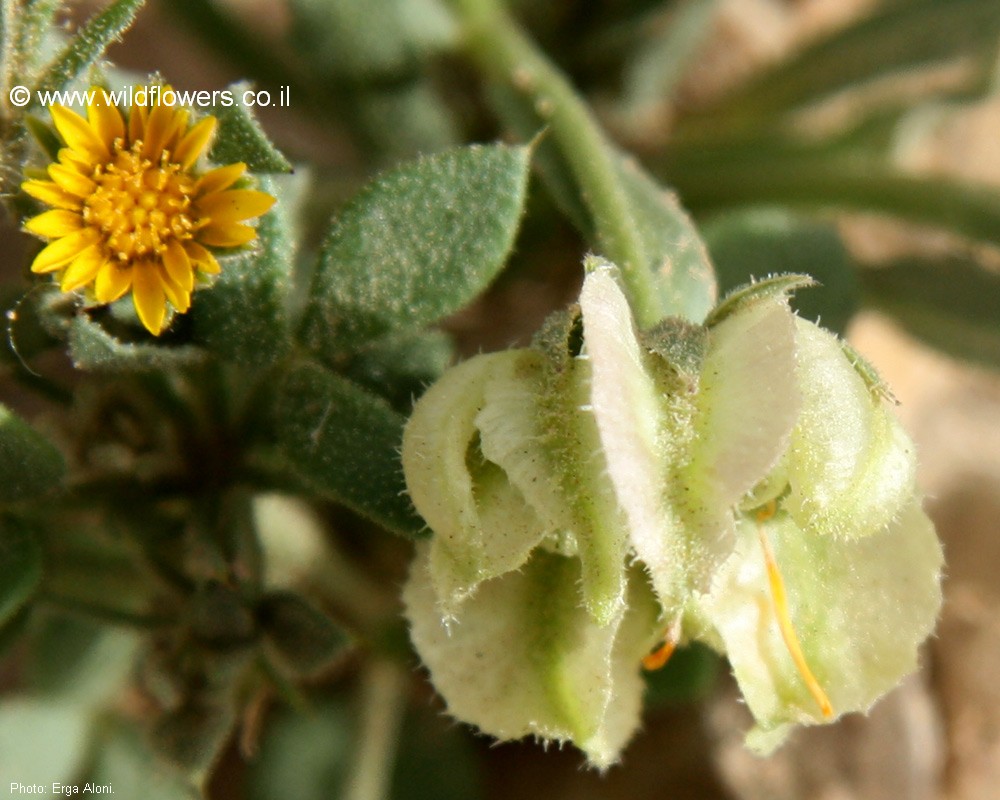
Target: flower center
x=139 y=206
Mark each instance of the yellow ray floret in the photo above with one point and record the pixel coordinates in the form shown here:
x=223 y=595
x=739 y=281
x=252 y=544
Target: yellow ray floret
x=129 y=211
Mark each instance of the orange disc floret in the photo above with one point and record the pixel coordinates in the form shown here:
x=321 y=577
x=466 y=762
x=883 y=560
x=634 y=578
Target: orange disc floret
x=131 y=212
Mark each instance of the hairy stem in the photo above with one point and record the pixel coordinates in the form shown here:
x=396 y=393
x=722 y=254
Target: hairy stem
x=508 y=57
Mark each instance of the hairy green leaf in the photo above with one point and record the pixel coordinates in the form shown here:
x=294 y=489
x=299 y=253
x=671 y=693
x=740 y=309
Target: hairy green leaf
x=243 y=317
x=94 y=349
x=418 y=243
x=345 y=441
x=685 y=277
x=672 y=247
x=401 y=369
x=240 y=137
x=88 y=45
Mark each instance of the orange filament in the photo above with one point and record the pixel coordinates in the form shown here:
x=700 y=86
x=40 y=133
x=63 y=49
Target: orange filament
x=784 y=621
x=660 y=656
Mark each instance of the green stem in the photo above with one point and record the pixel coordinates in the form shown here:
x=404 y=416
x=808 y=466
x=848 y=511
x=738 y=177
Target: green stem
x=382 y=713
x=508 y=57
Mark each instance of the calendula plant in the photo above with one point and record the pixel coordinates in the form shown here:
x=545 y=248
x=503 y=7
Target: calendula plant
x=262 y=450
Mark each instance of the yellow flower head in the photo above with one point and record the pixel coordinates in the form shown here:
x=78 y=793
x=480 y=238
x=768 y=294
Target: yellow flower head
x=129 y=211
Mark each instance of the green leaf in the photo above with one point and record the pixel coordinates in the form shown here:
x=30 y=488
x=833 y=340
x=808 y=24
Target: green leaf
x=368 y=40
x=94 y=349
x=88 y=45
x=951 y=304
x=240 y=138
x=20 y=568
x=898 y=37
x=752 y=244
x=405 y=121
x=305 y=639
x=814 y=181
x=400 y=369
x=677 y=256
x=345 y=441
x=671 y=243
x=29 y=464
x=416 y=244
x=243 y=317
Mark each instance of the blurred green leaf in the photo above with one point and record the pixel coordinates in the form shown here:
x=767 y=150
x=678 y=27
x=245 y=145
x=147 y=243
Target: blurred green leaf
x=894 y=38
x=244 y=317
x=310 y=752
x=192 y=736
x=42 y=742
x=953 y=305
x=240 y=138
x=345 y=441
x=123 y=761
x=368 y=40
x=20 y=568
x=74 y=660
x=400 y=369
x=94 y=349
x=407 y=120
x=435 y=760
x=659 y=61
x=219 y=617
x=29 y=464
x=418 y=243
x=88 y=45
x=763 y=241
x=813 y=181
x=304 y=638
